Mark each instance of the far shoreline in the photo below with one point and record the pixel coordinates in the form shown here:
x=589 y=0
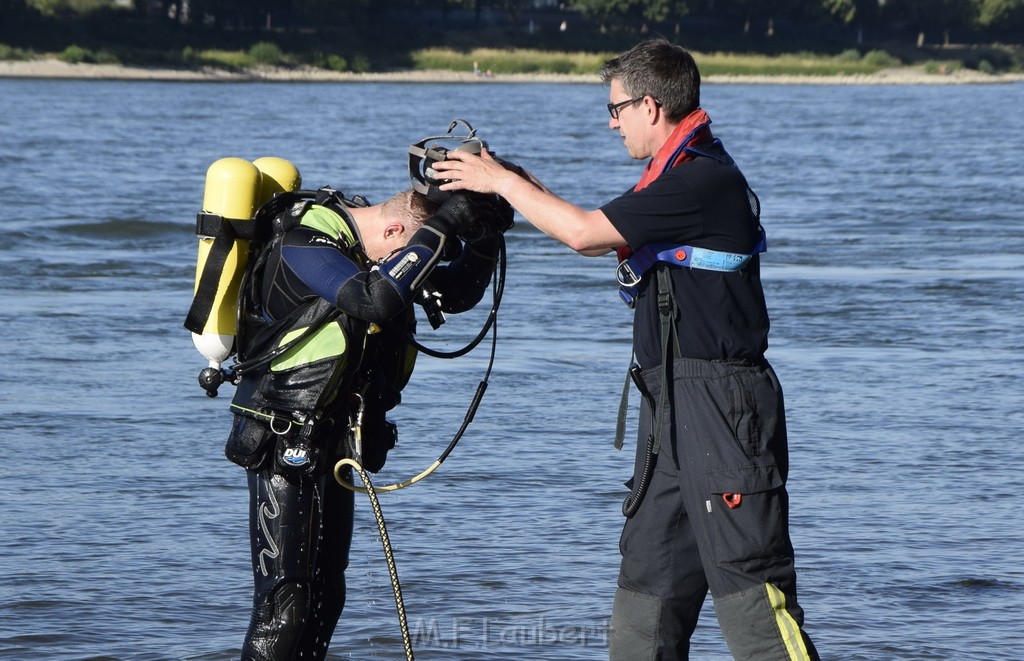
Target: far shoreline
x=54 y=69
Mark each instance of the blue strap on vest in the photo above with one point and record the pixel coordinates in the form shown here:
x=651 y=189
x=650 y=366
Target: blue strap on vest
x=631 y=271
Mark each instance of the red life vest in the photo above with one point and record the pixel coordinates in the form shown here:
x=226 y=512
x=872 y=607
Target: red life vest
x=693 y=130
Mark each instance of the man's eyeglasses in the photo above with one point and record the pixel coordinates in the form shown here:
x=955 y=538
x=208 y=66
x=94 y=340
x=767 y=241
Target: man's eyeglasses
x=613 y=108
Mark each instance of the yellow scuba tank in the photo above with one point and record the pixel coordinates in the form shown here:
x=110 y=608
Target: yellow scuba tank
x=235 y=189
x=232 y=187
x=277 y=175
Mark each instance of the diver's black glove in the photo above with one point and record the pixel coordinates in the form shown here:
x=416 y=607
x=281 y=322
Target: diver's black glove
x=495 y=217
x=458 y=213
x=501 y=215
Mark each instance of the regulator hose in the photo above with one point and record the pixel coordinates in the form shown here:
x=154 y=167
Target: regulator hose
x=492 y=316
x=491 y=324
x=371 y=491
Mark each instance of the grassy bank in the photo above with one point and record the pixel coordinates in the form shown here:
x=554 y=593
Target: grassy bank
x=498 y=61
x=531 y=61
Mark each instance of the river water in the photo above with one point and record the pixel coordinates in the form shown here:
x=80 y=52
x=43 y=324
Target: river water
x=895 y=278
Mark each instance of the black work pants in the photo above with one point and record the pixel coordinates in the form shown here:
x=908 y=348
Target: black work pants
x=714 y=518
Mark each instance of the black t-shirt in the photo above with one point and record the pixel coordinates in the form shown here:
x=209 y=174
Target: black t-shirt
x=703 y=203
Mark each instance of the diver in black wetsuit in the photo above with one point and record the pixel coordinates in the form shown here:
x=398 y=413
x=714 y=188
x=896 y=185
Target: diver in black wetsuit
x=341 y=278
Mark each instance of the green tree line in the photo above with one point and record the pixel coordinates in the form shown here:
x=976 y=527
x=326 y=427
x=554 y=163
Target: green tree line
x=1002 y=18
x=367 y=35
x=918 y=14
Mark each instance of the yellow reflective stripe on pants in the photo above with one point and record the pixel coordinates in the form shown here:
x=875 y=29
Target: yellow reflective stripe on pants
x=788 y=627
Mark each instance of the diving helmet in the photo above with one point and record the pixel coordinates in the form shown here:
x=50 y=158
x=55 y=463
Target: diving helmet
x=428 y=151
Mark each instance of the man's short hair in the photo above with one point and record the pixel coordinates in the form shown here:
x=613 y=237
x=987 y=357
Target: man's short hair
x=409 y=208
x=661 y=69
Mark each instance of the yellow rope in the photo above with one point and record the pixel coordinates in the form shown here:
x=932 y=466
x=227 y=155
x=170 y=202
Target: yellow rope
x=388 y=487
x=385 y=541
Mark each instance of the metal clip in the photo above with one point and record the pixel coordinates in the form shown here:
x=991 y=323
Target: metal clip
x=274 y=419
x=635 y=373
x=356 y=428
x=359 y=413
x=625 y=274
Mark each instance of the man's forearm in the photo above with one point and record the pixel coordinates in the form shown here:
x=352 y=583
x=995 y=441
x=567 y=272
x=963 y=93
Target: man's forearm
x=587 y=232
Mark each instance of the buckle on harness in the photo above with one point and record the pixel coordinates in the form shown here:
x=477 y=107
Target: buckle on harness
x=625 y=274
x=665 y=307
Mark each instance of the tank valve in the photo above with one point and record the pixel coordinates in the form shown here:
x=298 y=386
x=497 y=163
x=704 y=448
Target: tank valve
x=210 y=379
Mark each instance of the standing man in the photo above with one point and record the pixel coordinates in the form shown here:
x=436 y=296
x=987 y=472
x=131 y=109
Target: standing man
x=323 y=346
x=709 y=505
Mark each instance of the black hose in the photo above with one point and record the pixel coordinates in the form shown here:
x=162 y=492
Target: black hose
x=492 y=322
x=636 y=497
x=492 y=316
x=633 y=501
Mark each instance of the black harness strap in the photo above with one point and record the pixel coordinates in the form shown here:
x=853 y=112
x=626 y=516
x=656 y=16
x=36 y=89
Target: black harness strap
x=620 y=421
x=667 y=311
x=225 y=231
x=662 y=410
x=211 y=224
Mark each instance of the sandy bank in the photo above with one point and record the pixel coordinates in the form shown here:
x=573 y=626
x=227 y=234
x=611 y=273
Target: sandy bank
x=50 y=68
